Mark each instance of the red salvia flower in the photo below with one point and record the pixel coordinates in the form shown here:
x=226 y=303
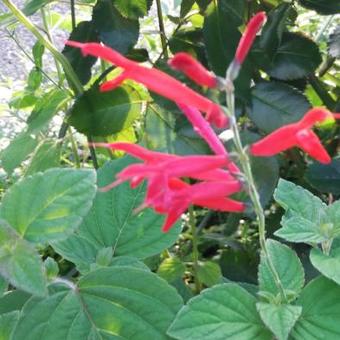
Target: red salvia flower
x=170 y=195
x=193 y=69
x=296 y=135
x=155 y=80
x=248 y=36
x=203 y=128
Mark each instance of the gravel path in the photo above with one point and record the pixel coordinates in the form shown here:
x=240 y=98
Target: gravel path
x=13 y=62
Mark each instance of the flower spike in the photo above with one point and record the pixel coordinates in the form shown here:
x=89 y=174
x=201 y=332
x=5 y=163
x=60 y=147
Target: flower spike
x=155 y=80
x=193 y=69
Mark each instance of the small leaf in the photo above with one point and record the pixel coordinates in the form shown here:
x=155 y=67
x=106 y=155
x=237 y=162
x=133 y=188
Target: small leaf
x=20 y=264
x=225 y=311
x=328 y=265
x=299 y=229
x=209 y=273
x=296 y=57
x=84 y=32
x=171 y=269
x=288 y=268
x=325 y=178
x=50 y=205
x=320 y=301
x=300 y=201
x=51 y=267
x=104 y=256
x=116 y=302
x=276 y=104
x=322 y=6
x=13 y=301
x=98 y=113
x=45 y=156
x=280 y=319
x=17 y=151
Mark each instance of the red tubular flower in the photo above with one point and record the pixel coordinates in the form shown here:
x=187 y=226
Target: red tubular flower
x=203 y=128
x=297 y=134
x=248 y=36
x=155 y=80
x=193 y=69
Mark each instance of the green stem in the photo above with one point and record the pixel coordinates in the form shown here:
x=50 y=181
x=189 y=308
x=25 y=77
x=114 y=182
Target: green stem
x=74 y=148
x=162 y=29
x=195 y=253
x=69 y=72
x=47 y=31
x=253 y=193
x=73 y=15
x=93 y=153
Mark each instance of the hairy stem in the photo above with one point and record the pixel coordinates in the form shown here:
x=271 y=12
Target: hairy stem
x=253 y=193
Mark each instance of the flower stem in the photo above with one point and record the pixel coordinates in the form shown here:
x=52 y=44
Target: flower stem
x=162 y=29
x=253 y=193
x=195 y=253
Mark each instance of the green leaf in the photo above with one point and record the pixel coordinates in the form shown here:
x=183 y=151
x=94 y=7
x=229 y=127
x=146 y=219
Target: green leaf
x=84 y=32
x=328 y=265
x=226 y=311
x=299 y=229
x=296 y=57
x=220 y=32
x=272 y=31
x=114 y=30
x=325 y=178
x=109 y=303
x=186 y=6
x=20 y=264
x=280 y=319
x=52 y=268
x=209 y=273
x=300 y=201
x=98 y=113
x=287 y=265
x=13 y=301
x=128 y=261
x=38 y=52
x=320 y=301
x=112 y=223
x=322 y=6
x=276 y=104
x=17 y=151
x=132 y=9
x=166 y=132
x=7 y=325
x=34 y=79
x=44 y=110
x=171 y=269
x=46 y=156
x=49 y=206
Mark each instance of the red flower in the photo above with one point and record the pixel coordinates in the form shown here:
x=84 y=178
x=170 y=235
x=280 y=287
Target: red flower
x=193 y=69
x=203 y=128
x=297 y=134
x=155 y=80
x=248 y=36
x=167 y=193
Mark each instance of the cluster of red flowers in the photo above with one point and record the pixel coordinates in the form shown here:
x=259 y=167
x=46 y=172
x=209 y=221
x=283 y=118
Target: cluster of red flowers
x=215 y=176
